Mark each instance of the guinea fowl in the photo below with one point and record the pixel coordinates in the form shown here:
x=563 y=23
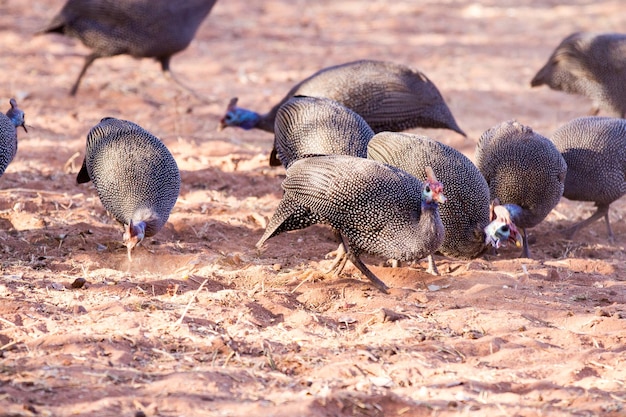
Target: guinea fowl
x=375 y=208
x=318 y=126
x=135 y=175
x=524 y=171
x=8 y=134
x=595 y=151
x=467 y=214
x=389 y=96
x=140 y=28
x=592 y=65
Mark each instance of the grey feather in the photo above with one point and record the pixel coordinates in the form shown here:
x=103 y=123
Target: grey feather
x=135 y=175
x=592 y=65
x=466 y=213
x=8 y=134
x=318 y=126
x=524 y=171
x=375 y=206
x=595 y=151
x=389 y=96
x=140 y=28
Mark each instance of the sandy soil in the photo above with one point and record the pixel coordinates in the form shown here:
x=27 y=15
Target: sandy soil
x=201 y=324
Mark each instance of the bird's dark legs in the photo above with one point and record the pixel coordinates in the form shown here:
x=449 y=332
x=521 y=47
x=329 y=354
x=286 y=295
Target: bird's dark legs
x=369 y=274
x=344 y=253
x=165 y=66
x=525 y=250
x=88 y=61
x=602 y=211
x=608 y=226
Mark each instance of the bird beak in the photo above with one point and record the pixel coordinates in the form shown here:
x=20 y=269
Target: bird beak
x=133 y=234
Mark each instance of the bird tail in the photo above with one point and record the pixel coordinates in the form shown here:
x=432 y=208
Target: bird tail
x=56 y=25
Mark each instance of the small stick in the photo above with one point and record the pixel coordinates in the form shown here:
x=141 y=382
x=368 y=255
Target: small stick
x=180 y=320
x=8 y=322
x=32 y=190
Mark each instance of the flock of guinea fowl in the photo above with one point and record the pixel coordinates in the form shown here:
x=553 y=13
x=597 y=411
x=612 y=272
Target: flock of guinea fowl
x=338 y=133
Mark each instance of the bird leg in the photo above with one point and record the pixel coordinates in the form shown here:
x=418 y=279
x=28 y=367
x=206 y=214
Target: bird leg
x=339 y=263
x=595 y=110
x=369 y=274
x=432 y=267
x=602 y=211
x=343 y=254
x=165 y=66
x=88 y=61
x=608 y=227
x=349 y=254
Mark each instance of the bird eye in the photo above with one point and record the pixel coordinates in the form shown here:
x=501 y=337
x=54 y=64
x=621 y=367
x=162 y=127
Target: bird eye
x=505 y=228
x=427 y=188
x=229 y=117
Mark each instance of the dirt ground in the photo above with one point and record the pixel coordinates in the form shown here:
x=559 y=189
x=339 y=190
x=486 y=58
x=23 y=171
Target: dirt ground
x=202 y=324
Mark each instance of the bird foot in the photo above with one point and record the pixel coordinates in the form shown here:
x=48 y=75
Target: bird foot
x=338 y=264
x=394 y=263
x=432 y=267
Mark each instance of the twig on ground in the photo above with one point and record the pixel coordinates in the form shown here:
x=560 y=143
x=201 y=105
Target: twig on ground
x=193 y=297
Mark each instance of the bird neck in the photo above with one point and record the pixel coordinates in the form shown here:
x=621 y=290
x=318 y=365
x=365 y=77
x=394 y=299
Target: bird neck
x=429 y=205
x=137 y=230
x=147 y=220
x=514 y=210
x=246 y=119
x=430 y=218
x=17 y=117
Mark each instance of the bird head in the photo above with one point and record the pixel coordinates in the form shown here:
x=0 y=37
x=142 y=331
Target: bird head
x=133 y=234
x=432 y=192
x=501 y=229
x=16 y=115
x=236 y=116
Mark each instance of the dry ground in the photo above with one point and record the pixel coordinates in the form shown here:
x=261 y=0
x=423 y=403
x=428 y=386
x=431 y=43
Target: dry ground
x=201 y=324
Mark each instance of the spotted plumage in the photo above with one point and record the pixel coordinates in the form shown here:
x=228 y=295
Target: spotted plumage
x=135 y=175
x=524 y=171
x=594 y=149
x=318 y=126
x=592 y=65
x=466 y=215
x=389 y=96
x=8 y=134
x=140 y=28
x=376 y=208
